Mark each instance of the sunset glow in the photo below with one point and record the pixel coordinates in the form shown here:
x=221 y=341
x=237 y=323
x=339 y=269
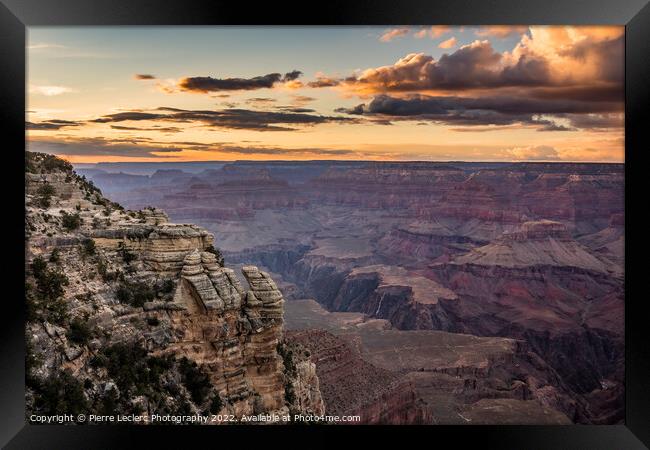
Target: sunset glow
x=303 y=93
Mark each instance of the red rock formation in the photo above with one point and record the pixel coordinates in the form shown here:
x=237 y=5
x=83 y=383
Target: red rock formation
x=352 y=386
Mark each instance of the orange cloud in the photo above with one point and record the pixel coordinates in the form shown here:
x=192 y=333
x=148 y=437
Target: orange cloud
x=501 y=31
x=433 y=32
x=449 y=43
x=394 y=33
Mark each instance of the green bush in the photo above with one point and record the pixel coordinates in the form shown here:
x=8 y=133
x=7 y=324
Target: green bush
x=60 y=393
x=52 y=163
x=89 y=247
x=215 y=404
x=79 y=332
x=195 y=380
x=55 y=256
x=70 y=221
x=125 y=253
x=44 y=195
x=50 y=284
x=38 y=267
x=134 y=293
x=49 y=290
x=134 y=372
x=167 y=286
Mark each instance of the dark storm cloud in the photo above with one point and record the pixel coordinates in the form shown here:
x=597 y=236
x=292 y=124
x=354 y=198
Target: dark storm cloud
x=234 y=118
x=497 y=110
x=144 y=76
x=54 y=124
x=209 y=84
x=293 y=75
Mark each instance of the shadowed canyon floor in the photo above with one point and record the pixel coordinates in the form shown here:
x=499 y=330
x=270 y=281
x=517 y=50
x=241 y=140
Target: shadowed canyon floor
x=474 y=292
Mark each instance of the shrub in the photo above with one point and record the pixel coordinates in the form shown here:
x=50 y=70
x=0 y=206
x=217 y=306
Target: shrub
x=132 y=369
x=195 y=380
x=51 y=163
x=50 y=284
x=134 y=293
x=89 y=248
x=44 y=195
x=55 y=256
x=70 y=221
x=215 y=404
x=49 y=289
x=61 y=393
x=153 y=321
x=125 y=253
x=167 y=286
x=38 y=267
x=79 y=332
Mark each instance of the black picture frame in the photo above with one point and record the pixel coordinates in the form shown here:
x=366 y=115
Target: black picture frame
x=16 y=15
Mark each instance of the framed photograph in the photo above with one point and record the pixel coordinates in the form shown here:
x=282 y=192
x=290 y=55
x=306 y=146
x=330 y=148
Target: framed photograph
x=308 y=220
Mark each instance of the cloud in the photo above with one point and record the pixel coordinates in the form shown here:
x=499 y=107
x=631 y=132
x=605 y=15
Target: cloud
x=597 y=121
x=233 y=118
x=533 y=153
x=144 y=76
x=54 y=124
x=99 y=146
x=301 y=100
x=49 y=90
x=553 y=58
x=449 y=43
x=324 y=82
x=209 y=84
x=472 y=66
x=153 y=128
x=293 y=75
x=261 y=100
x=264 y=150
x=501 y=31
x=546 y=114
x=393 y=33
x=433 y=32
x=140 y=147
x=44 y=45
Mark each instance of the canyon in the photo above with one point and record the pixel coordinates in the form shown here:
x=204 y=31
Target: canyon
x=469 y=292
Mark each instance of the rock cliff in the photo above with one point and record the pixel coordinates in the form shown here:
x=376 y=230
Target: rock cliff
x=136 y=314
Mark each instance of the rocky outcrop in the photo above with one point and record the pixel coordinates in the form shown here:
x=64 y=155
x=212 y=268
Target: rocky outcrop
x=132 y=278
x=352 y=386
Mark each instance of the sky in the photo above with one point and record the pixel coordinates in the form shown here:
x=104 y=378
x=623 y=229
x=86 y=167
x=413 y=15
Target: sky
x=439 y=93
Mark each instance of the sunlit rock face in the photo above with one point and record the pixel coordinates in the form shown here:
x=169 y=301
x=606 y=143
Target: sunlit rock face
x=133 y=278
